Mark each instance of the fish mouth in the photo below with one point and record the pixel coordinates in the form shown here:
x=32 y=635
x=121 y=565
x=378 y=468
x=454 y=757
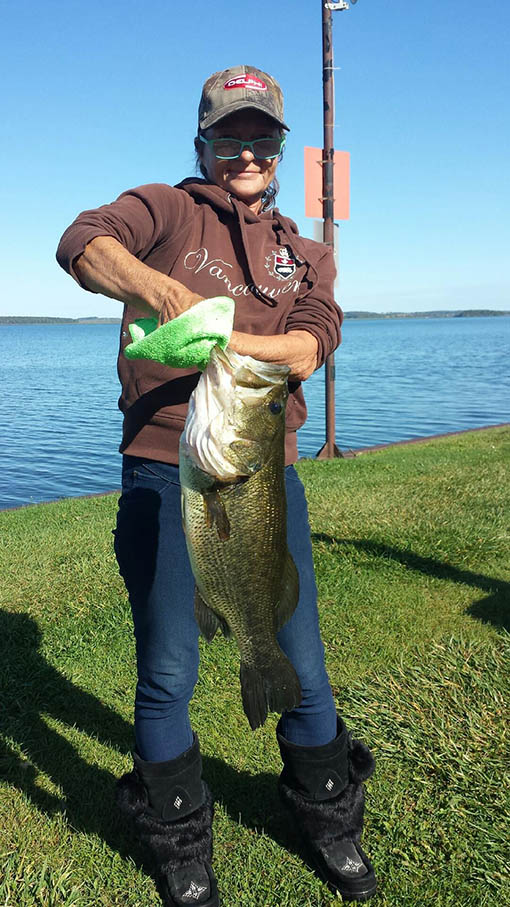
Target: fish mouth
x=217 y=436
x=250 y=372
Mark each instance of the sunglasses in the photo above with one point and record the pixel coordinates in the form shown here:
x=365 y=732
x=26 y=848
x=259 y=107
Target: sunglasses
x=230 y=149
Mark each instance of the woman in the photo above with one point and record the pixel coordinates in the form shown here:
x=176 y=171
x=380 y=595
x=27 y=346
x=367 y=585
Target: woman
x=160 y=249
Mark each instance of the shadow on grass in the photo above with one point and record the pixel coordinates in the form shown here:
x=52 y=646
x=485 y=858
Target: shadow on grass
x=252 y=801
x=494 y=609
x=31 y=689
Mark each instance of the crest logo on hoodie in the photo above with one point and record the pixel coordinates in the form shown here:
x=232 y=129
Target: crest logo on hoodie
x=280 y=264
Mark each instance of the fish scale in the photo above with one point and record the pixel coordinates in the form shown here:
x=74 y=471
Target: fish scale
x=236 y=535
x=227 y=592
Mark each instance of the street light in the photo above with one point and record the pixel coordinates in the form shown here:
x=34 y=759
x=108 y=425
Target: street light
x=340 y=4
x=329 y=449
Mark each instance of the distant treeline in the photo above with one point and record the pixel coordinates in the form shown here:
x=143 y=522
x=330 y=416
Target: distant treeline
x=36 y=319
x=439 y=313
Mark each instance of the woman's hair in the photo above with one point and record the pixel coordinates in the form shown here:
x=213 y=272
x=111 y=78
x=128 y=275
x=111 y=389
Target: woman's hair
x=269 y=196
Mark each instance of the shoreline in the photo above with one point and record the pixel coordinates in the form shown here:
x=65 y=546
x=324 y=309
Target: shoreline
x=347 y=453
x=447 y=434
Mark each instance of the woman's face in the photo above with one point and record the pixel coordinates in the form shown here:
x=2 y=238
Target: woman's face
x=246 y=177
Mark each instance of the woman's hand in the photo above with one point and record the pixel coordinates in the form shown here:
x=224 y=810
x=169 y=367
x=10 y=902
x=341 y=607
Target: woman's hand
x=297 y=349
x=176 y=300
x=106 y=267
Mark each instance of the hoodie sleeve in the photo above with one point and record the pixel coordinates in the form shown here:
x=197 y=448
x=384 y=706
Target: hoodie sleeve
x=139 y=219
x=317 y=312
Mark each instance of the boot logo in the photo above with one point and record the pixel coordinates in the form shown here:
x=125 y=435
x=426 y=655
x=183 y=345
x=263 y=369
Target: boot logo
x=351 y=865
x=194 y=891
x=178 y=802
x=330 y=784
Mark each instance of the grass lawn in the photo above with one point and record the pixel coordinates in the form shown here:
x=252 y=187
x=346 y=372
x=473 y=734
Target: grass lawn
x=412 y=559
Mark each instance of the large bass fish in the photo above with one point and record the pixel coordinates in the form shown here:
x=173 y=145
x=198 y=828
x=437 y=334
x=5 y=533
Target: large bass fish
x=234 y=514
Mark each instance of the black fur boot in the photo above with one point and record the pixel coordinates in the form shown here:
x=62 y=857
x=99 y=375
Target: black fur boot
x=172 y=811
x=322 y=787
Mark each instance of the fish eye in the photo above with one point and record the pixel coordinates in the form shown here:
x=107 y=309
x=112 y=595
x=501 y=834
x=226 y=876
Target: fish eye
x=275 y=407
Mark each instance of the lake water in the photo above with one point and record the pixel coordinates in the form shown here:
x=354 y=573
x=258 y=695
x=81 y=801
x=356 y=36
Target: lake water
x=395 y=380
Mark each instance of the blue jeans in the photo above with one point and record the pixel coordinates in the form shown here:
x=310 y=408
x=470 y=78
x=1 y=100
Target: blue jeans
x=153 y=560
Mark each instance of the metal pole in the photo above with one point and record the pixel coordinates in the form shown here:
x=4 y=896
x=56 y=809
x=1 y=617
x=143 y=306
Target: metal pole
x=329 y=449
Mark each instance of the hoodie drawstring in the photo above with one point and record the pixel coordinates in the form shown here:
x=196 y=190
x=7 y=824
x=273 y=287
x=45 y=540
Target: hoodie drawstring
x=242 y=226
x=296 y=245
x=210 y=193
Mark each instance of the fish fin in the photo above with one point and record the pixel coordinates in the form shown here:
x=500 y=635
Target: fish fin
x=275 y=688
x=215 y=514
x=290 y=592
x=208 y=621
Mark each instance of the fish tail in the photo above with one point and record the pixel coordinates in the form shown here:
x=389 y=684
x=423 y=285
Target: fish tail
x=275 y=688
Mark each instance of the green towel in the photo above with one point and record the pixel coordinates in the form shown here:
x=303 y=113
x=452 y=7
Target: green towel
x=186 y=341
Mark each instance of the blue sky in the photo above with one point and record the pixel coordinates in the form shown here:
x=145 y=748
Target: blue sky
x=102 y=96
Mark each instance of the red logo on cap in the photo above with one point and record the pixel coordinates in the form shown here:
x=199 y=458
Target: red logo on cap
x=246 y=80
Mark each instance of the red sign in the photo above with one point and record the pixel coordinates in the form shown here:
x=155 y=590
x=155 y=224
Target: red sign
x=313 y=183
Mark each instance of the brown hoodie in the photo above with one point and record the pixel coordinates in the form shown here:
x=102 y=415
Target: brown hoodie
x=216 y=246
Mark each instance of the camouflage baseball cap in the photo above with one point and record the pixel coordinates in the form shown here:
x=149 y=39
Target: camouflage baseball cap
x=238 y=88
